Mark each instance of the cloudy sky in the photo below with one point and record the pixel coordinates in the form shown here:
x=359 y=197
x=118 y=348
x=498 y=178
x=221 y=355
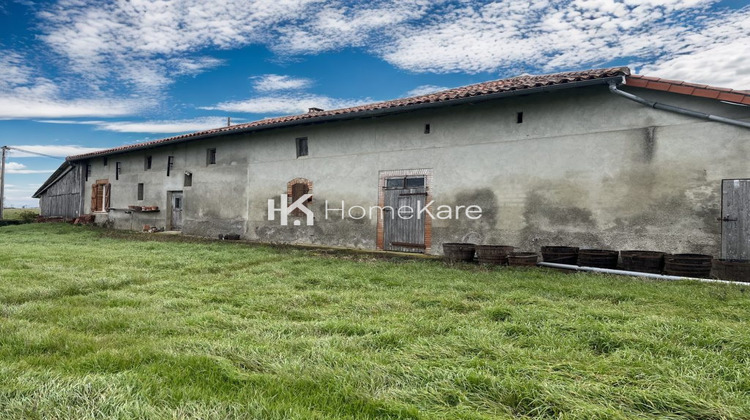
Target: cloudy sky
x=77 y=75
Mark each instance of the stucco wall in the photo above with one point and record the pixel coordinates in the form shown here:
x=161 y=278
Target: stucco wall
x=585 y=168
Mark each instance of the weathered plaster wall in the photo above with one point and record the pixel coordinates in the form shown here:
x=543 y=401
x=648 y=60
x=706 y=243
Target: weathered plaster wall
x=585 y=168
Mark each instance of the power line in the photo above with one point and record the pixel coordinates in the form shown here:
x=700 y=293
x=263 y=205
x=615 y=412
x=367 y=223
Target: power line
x=34 y=153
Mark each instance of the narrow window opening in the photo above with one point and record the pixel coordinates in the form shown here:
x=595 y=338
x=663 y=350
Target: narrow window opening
x=301 y=146
x=210 y=157
x=299 y=189
x=427 y=129
x=188 y=182
x=519 y=117
x=100 y=195
x=118 y=169
x=88 y=171
x=147 y=163
x=140 y=191
x=170 y=164
x=104 y=161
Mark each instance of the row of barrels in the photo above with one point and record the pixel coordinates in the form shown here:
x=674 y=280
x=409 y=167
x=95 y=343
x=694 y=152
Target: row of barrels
x=488 y=254
x=683 y=265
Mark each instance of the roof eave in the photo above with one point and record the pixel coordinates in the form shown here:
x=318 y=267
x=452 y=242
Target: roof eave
x=64 y=168
x=363 y=114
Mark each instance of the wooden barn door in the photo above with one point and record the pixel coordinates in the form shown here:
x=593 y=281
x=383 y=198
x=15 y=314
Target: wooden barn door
x=735 y=219
x=404 y=232
x=176 y=204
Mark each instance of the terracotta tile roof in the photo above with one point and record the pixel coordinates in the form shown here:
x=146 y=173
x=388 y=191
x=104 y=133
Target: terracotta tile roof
x=693 y=89
x=520 y=83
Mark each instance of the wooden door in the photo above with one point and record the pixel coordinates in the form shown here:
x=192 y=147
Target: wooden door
x=176 y=205
x=735 y=220
x=403 y=227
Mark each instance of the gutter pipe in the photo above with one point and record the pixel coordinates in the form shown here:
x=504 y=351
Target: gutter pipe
x=636 y=273
x=676 y=109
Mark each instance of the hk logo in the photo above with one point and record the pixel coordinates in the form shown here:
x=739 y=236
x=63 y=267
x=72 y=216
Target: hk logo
x=285 y=210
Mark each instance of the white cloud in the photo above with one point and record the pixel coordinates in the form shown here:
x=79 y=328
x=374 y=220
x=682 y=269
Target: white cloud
x=152 y=126
x=18 y=107
x=142 y=46
x=544 y=35
x=51 y=150
x=719 y=55
x=24 y=95
x=14 y=70
x=285 y=104
x=345 y=24
x=164 y=126
x=147 y=43
x=275 y=82
x=193 y=66
x=425 y=89
x=19 y=168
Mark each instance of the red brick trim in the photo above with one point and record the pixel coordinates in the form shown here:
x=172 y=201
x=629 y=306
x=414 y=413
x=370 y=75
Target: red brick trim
x=692 y=89
x=383 y=175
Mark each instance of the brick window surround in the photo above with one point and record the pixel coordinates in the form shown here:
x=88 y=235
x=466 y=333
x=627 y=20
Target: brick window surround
x=295 y=189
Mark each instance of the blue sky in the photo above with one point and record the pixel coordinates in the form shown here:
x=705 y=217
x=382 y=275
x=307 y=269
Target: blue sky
x=77 y=75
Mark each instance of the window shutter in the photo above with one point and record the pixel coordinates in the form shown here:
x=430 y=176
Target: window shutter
x=107 y=193
x=94 y=193
x=298 y=190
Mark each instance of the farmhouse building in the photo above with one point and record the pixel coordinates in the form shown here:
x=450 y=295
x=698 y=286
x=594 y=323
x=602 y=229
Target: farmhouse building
x=559 y=159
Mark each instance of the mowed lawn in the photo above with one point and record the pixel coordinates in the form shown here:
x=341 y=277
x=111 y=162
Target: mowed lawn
x=100 y=324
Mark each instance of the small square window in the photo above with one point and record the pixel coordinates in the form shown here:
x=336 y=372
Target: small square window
x=170 y=164
x=147 y=163
x=414 y=182
x=140 y=191
x=393 y=183
x=210 y=156
x=118 y=169
x=301 y=146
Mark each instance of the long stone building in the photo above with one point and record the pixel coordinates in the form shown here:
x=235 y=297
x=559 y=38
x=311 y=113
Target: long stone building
x=597 y=159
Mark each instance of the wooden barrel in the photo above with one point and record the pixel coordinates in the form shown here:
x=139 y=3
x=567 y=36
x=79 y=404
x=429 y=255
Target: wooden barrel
x=599 y=258
x=493 y=254
x=735 y=270
x=643 y=261
x=458 y=252
x=523 y=259
x=560 y=254
x=688 y=265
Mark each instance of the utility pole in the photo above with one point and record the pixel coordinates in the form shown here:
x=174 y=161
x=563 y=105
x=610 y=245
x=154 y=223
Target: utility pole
x=2 y=181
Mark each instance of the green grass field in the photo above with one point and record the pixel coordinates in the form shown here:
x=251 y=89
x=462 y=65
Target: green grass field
x=15 y=213
x=101 y=324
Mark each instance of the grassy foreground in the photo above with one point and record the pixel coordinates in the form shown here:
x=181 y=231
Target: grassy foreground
x=95 y=324
x=15 y=213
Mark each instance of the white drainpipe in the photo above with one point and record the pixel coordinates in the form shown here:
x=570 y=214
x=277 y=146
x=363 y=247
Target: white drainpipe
x=636 y=273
